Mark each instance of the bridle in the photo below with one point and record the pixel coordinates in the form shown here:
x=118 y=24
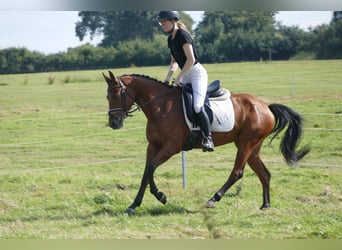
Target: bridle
x=123 y=109
x=123 y=92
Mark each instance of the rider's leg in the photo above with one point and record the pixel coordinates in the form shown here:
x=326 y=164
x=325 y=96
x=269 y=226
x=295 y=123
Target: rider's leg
x=203 y=120
x=199 y=83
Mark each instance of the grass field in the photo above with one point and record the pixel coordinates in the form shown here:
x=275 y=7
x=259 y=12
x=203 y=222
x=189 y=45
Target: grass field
x=65 y=175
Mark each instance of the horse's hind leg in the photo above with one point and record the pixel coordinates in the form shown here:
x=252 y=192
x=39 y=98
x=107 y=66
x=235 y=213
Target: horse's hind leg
x=255 y=162
x=236 y=174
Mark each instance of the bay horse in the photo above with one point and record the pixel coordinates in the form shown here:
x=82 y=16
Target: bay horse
x=167 y=132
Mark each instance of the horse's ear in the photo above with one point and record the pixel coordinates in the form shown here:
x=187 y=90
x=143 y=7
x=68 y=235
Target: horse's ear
x=108 y=80
x=112 y=76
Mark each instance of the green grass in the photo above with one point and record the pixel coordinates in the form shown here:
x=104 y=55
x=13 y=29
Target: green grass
x=65 y=175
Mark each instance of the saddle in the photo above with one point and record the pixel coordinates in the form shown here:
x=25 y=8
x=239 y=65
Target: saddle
x=214 y=90
x=218 y=107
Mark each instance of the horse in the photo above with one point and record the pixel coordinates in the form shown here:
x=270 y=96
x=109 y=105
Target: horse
x=167 y=131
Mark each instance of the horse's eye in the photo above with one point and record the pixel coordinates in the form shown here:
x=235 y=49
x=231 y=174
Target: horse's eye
x=115 y=97
x=112 y=97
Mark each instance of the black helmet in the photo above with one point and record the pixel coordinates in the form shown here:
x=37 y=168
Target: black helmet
x=168 y=15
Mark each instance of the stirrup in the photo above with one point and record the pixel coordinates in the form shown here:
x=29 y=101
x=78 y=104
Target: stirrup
x=207 y=145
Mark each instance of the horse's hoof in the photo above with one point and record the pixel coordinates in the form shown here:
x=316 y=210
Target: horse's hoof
x=129 y=211
x=162 y=198
x=210 y=204
x=265 y=206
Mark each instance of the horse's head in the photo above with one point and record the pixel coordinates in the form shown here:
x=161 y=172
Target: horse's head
x=119 y=105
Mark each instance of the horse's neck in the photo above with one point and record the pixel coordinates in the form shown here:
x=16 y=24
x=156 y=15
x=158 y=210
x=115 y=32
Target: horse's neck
x=146 y=90
x=152 y=96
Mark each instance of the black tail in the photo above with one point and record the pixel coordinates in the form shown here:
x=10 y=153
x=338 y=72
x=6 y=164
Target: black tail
x=284 y=116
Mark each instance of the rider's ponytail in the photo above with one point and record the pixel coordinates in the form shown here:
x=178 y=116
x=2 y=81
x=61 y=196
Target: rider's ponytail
x=182 y=26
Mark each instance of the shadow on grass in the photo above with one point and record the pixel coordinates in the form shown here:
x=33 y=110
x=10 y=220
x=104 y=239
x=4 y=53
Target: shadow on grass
x=105 y=209
x=168 y=209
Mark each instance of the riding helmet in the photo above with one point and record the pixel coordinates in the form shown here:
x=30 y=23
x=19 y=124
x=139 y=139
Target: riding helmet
x=168 y=15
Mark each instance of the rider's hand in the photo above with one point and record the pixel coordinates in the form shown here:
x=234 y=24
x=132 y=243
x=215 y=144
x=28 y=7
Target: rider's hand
x=176 y=83
x=167 y=81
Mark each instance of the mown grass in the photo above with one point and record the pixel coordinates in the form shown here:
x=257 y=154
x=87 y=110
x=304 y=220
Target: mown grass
x=64 y=174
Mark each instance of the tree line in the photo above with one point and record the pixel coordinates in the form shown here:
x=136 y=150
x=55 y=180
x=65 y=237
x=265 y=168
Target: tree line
x=134 y=38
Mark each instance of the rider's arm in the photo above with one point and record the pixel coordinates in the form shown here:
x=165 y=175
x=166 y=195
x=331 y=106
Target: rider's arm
x=190 y=61
x=172 y=69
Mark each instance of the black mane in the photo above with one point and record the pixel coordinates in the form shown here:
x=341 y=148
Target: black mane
x=147 y=77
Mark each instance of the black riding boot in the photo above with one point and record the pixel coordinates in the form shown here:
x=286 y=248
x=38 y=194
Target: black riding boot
x=203 y=120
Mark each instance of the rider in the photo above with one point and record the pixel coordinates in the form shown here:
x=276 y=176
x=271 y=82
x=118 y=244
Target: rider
x=183 y=54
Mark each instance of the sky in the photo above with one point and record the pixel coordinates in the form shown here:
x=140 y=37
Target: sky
x=54 y=31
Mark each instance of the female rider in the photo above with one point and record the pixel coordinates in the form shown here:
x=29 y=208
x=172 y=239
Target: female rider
x=183 y=55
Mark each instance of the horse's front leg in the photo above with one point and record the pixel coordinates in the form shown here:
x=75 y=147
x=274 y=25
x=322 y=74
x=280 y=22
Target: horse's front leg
x=154 y=190
x=147 y=179
x=156 y=155
x=138 y=199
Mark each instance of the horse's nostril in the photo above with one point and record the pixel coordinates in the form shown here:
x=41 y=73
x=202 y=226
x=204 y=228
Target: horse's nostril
x=115 y=125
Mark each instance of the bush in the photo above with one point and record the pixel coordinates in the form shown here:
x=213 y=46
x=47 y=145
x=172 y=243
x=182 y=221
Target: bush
x=304 y=56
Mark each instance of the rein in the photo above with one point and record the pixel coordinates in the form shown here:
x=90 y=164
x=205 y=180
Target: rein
x=123 y=91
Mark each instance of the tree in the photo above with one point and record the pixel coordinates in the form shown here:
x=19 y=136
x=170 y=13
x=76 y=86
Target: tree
x=337 y=15
x=20 y=60
x=121 y=26
x=291 y=40
x=116 y=26
x=329 y=38
x=235 y=35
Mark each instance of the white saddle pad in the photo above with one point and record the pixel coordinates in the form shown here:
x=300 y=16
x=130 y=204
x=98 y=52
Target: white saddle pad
x=223 y=114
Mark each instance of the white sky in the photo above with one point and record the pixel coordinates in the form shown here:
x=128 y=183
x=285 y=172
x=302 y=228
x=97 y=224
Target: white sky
x=54 y=31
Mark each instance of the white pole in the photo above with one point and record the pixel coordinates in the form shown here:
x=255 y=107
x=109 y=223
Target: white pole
x=293 y=83
x=184 y=169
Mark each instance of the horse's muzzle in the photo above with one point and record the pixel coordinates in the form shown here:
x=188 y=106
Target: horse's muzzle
x=115 y=123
